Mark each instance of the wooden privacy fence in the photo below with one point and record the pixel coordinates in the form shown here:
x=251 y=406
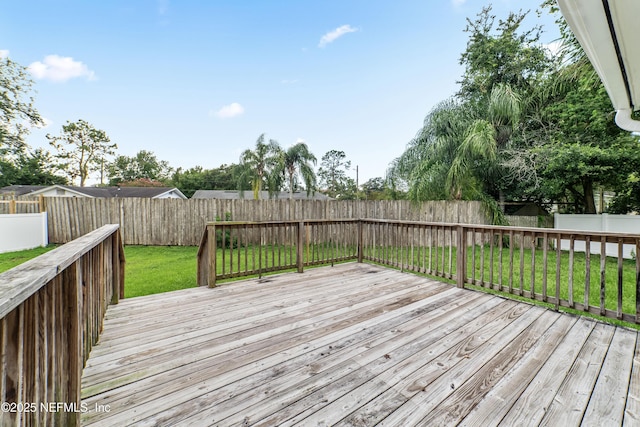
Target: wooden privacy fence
x=180 y=222
x=51 y=311
x=13 y=206
x=527 y=262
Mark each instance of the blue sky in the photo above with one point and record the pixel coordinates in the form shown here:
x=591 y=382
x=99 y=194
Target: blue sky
x=197 y=82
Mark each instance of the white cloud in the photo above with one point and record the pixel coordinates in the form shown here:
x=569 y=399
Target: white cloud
x=458 y=3
x=331 y=36
x=4 y=53
x=60 y=69
x=228 y=111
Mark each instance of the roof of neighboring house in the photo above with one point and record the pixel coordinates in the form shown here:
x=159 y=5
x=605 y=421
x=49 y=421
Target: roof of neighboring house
x=235 y=194
x=607 y=31
x=21 y=190
x=107 y=192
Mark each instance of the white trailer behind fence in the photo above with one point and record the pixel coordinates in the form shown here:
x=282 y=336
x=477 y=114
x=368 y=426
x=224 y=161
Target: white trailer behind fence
x=629 y=224
x=23 y=231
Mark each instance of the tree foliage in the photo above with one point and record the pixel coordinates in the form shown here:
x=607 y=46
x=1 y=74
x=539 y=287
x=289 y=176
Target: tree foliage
x=81 y=149
x=295 y=164
x=144 y=165
x=224 y=177
x=29 y=168
x=257 y=166
x=525 y=126
x=333 y=178
x=17 y=111
x=459 y=152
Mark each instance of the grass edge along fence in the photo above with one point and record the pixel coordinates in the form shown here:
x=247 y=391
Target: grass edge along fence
x=51 y=312
x=524 y=262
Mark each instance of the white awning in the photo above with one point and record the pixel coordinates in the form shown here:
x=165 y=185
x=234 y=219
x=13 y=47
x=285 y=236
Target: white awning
x=608 y=33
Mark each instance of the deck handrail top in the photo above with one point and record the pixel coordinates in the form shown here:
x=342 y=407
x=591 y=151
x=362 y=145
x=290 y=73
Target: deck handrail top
x=508 y=227
x=24 y=280
x=276 y=222
x=555 y=231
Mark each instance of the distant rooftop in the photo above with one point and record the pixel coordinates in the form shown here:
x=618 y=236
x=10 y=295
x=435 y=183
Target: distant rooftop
x=106 y=192
x=235 y=194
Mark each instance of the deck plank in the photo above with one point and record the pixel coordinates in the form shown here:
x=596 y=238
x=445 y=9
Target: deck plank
x=359 y=345
x=531 y=405
x=609 y=395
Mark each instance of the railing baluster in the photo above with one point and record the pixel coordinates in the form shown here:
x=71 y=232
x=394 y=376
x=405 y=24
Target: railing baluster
x=450 y=274
x=491 y=245
x=570 y=272
x=230 y=250
x=620 y=276
x=603 y=266
x=521 y=292
x=545 y=260
x=430 y=249
x=637 y=281
x=510 y=261
x=587 y=273
x=473 y=256
x=223 y=247
x=500 y=267
x=482 y=239
x=558 y=260
x=533 y=266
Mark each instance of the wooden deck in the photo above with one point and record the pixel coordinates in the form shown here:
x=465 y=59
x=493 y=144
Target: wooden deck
x=359 y=345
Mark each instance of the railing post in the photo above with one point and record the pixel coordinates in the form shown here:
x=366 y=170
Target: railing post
x=461 y=256
x=213 y=255
x=360 y=243
x=12 y=206
x=72 y=278
x=638 y=281
x=300 y=247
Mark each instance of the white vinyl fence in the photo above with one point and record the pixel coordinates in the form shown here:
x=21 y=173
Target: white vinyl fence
x=629 y=224
x=23 y=231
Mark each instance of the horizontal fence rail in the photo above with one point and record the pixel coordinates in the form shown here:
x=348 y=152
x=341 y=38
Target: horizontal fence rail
x=13 y=206
x=526 y=262
x=51 y=311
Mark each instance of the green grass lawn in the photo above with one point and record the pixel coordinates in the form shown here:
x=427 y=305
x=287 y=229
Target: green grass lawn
x=148 y=269
x=11 y=259
x=155 y=269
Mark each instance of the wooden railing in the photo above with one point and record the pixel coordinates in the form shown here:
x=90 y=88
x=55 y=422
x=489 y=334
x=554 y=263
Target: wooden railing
x=255 y=248
x=527 y=262
x=51 y=311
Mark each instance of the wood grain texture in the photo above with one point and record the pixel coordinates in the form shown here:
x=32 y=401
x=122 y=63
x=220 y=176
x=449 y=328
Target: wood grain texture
x=359 y=345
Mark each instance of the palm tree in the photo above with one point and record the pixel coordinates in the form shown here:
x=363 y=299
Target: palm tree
x=257 y=165
x=455 y=154
x=296 y=161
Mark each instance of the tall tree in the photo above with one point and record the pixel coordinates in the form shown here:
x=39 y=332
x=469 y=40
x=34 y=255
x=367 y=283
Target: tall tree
x=460 y=151
x=144 y=165
x=258 y=165
x=81 y=149
x=333 y=176
x=17 y=112
x=294 y=162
